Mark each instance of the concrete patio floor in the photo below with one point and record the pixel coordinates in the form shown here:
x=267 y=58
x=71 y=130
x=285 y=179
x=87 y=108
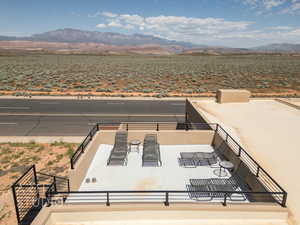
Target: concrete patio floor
x=134 y=177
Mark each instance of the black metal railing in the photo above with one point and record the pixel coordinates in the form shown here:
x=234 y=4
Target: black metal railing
x=33 y=189
x=155 y=126
x=161 y=126
x=275 y=190
x=82 y=146
x=29 y=193
x=60 y=183
x=164 y=196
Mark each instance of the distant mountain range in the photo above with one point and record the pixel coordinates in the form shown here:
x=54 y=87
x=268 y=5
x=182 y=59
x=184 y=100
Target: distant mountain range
x=69 y=35
x=284 y=47
x=77 y=41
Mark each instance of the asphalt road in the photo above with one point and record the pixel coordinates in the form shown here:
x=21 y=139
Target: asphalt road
x=31 y=117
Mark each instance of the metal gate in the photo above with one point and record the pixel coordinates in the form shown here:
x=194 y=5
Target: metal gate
x=26 y=196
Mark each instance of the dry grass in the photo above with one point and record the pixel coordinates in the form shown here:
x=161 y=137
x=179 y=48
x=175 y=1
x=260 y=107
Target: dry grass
x=158 y=76
x=15 y=158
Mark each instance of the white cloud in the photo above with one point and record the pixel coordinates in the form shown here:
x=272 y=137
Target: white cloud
x=216 y=31
x=109 y=14
x=292 y=9
x=280 y=6
x=114 y=24
x=280 y=28
x=106 y=14
x=96 y=14
x=269 y=4
x=101 y=25
x=175 y=27
x=132 y=19
x=166 y=24
x=251 y=2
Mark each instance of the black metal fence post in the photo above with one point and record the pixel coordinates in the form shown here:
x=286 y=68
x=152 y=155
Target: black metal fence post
x=107 y=199
x=68 y=185
x=283 y=204
x=167 y=199
x=240 y=150
x=72 y=165
x=16 y=203
x=36 y=183
x=225 y=200
x=54 y=181
x=257 y=171
x=48 y=197
x=186 y=126
x=157 y=127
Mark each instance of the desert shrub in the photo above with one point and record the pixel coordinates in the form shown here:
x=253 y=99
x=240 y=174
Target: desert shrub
x=147 y=90
x=70 y=152
x=48 y=86
x=59 y=157
x=188 y=91
x=18 y=93
x=200 y=90
x=79 y=86
x=141 y=73
x=50 y=163
x=6 y=88
x=103 y=90
x=58 y=143
x=161 y=95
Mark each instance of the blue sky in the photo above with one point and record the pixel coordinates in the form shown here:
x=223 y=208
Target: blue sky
x=236 y=23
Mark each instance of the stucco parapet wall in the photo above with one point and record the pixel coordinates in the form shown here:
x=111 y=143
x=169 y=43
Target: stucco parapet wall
x=292 y=103
x=176 y=212
x=233 y=95
x=193 y=103
x=165 y=137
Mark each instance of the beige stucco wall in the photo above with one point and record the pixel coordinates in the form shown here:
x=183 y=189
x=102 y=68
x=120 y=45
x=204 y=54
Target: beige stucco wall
x=184 y=213
x=295 y=103
x=149 y=126
x=194 y=115
x=77 y=174
x=217 y=140
x=268 y=131
x=232 y=95
x=165 y=137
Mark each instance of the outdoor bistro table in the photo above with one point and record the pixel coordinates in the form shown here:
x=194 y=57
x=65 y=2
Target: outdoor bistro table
x=223 y=166
x=135 y=143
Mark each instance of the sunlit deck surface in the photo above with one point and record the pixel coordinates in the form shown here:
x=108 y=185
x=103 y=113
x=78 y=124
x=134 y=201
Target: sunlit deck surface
x=133 y=177
x=269 y=131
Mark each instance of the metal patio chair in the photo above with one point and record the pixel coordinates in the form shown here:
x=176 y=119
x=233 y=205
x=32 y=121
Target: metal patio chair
x=151 y=151
x=221 y=186
x=118 y=155
x=194 y=159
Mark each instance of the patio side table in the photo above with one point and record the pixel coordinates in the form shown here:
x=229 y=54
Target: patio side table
x=224 y=165
x=136 y=144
